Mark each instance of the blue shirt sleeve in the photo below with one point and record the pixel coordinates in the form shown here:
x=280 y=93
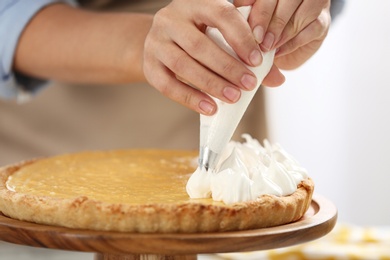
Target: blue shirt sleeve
x=14 y=16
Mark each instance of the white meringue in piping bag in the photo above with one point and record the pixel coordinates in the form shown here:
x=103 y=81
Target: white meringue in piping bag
x=217 y=130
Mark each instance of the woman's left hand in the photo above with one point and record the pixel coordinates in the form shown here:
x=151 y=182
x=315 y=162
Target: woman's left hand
x=295 y=28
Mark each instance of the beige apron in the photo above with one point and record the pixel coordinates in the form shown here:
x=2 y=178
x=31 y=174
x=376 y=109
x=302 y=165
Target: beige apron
x=68 y=118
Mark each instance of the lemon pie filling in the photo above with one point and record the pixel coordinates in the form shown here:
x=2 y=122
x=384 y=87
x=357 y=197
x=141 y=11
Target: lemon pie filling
x=128 y=177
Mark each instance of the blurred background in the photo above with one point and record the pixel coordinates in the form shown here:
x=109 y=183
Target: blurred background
x=333 y=114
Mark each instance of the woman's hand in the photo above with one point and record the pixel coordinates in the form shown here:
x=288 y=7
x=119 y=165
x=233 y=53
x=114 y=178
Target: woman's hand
x=186 y=66
x=295 y=28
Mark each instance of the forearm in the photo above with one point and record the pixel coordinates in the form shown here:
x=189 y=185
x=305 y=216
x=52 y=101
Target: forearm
x=74 y=45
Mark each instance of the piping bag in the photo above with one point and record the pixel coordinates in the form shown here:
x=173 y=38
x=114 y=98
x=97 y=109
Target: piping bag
x=217 y=130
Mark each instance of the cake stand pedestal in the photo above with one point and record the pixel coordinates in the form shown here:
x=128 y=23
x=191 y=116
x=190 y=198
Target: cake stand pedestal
x=318 y=221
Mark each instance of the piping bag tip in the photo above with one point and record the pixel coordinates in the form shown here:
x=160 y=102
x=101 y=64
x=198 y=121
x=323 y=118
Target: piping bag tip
x=207 y=159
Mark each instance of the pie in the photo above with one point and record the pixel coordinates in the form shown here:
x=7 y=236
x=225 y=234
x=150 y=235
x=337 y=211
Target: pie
x=133 y=191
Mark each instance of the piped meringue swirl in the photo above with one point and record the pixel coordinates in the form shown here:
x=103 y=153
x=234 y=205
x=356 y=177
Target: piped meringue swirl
x=246 y=171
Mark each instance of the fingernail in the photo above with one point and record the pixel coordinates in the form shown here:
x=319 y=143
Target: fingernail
x=249 y=81
x=268 y=41
x=232 y=94
x=206 y=107
x=258 y=33
x=255 y=57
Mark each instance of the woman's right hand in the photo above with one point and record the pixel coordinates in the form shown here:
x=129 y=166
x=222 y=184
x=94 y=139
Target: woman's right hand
x=185 y=65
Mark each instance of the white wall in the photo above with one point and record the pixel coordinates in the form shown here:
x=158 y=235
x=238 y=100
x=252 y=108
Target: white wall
x=333 y=114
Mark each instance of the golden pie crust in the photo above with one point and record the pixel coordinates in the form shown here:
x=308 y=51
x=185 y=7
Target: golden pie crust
x=133 y=191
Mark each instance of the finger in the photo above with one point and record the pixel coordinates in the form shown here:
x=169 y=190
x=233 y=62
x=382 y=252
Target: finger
x=260 y=17
x=315 y=31
x=234 y=28
x=282 y=15
x=185 y=67
x=306 y=13
x=207 y=53
x=167 y=83
x=274 y=78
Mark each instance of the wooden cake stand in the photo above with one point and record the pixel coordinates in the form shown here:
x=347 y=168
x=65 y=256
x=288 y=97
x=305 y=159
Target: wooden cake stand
x=317 y=222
